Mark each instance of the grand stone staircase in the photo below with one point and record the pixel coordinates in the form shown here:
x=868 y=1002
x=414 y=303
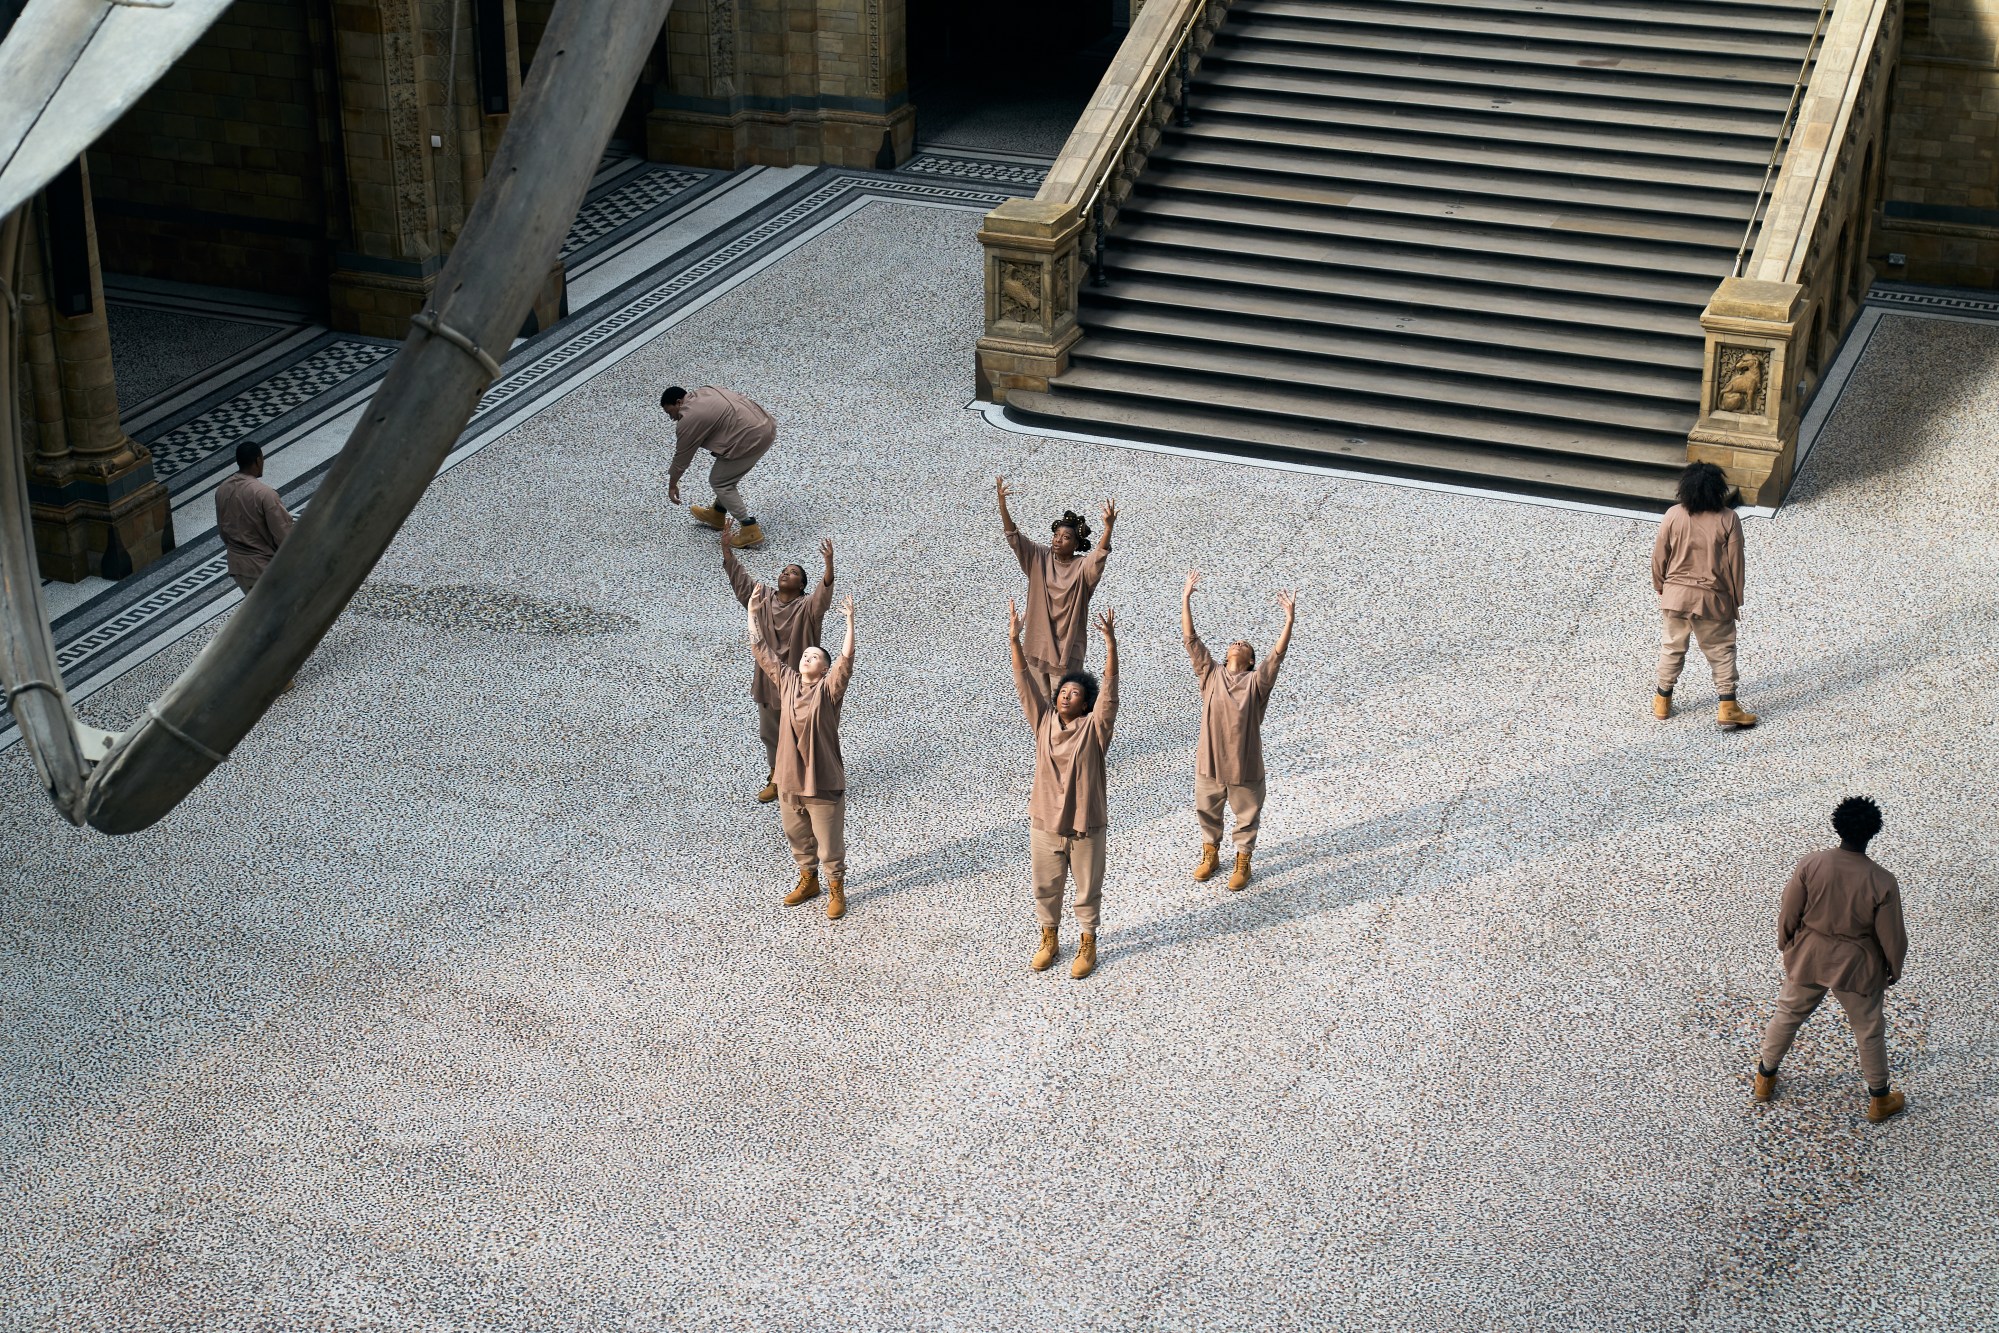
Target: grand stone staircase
x=1464 y=240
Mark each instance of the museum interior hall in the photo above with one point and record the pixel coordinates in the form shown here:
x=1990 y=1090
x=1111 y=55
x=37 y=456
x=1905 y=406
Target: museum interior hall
x=409 y=804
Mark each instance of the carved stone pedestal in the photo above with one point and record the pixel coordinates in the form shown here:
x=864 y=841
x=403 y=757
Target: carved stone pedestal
x=1032 y=267
x=1750 y=404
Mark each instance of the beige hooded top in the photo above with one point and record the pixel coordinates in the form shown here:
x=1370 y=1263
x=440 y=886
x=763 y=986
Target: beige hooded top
x=1839 y=923
x=724 y=423
x=1055 y=627
x=252 y=522
x=808 y=724
x=1697 y=564
x=1069 y=789
x=1232 y=707
x=791 y=628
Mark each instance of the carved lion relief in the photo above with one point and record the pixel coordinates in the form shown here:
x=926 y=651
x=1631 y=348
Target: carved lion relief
x=1742 y=376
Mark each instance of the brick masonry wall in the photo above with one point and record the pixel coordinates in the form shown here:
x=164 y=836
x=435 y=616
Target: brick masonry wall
x=217 y=176
x=1941 y=185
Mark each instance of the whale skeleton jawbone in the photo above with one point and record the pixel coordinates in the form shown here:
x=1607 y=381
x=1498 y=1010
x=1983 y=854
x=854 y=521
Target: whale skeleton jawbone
x=589 y=57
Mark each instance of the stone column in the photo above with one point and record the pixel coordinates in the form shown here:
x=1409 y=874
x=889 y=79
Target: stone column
x=94 y=502
x=1750 y=400
x=1032 y=266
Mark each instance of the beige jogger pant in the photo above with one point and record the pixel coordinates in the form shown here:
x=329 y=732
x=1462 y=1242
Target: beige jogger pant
x=1055 y=858
x=1246 y=800
x=724 y=475
x=1716 y=639
x=1795 y=1003
x=817 y=829
x=767 y=730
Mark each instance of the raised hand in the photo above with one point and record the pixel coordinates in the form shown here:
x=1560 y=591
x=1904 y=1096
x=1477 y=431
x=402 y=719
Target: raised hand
x=1289 y=601
x=1106 y=623
x=1012 y=620
x=847 y=607
x=826 y=552
x=1110 y=515
x=728 y=527
x=1005 y=492
x=1193 y=582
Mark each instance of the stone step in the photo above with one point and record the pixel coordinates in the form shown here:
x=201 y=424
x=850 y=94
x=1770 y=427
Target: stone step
x=1550 y=411
x=1430 y=449
x=1501 y=172
x=1666 y=156
x=1482 y=286
x=1441 y=337
x=1791 y=22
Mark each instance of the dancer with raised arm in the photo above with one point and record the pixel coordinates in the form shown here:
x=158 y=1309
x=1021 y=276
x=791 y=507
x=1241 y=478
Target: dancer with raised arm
x=1068 y=813
x=1228 y=760
x=1061 y=577
x=796 y=621
x=1697 y=572
x=811 y=775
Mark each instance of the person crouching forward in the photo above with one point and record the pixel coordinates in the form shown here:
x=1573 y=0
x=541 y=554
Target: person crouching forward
x=1068 y=812
x=1840 y=928
x=1697 y=572
x=1228 y=764
x=811 y=777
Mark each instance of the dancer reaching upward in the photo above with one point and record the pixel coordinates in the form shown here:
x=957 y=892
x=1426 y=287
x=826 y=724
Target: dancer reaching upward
x=811 y=775
x=796 y=621
x=1068 y=813
x=1061 y=577
x=1228 y=762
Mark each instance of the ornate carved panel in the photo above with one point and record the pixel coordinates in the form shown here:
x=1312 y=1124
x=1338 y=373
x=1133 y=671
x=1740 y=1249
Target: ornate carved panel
x=1742 y=380
x=1020 y=292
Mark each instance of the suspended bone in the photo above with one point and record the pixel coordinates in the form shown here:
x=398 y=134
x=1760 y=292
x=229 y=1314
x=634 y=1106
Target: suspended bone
x=589 y=58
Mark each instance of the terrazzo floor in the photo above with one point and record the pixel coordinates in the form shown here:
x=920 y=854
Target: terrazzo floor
x=157 y=349
x=461 y=998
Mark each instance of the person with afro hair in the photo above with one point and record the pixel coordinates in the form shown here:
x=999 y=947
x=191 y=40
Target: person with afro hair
x=1061 y=577
x=1839 y=927
x=1697 y=573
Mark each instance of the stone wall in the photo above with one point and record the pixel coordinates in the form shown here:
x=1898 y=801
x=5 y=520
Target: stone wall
x=218 y=174
x=784 y=82
x=1942 y=183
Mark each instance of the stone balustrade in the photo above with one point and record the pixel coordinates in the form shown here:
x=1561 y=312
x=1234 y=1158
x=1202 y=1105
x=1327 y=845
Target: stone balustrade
x=1772 y=331
x=1037 y=251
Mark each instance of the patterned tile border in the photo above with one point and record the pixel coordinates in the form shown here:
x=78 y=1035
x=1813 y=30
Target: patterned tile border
x=1936 y=300
x=627 y=202
x=246 y=414
x=99 y=640
x=960 y=167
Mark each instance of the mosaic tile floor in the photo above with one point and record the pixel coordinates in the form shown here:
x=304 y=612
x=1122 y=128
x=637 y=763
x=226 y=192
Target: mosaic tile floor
x=461 y=997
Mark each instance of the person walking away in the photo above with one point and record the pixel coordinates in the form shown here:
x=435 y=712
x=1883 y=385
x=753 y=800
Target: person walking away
x=1840 y=929
x=250 y=518
x=736 y=432
x=1061 y=577
x=811 y=775
x=795 y=621
x=1068 y=812
x=1228 y=759
x=1697 y=571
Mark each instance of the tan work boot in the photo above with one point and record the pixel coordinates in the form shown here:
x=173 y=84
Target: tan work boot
x=1210 y=862
x=836 y=901
x=1729 y=715
x=768 y=793
x=806 y=891
x=1662 y=705
x=1880 y=1108
x=1044 y=957
x=1086 y=957
x=703 y=514
x=1765 y=1086
x=750 y=534
x=1240 y=875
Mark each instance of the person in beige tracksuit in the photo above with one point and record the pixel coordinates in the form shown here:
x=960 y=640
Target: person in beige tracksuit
x=796 y=620
x=1697 y=571
x=1840 y=929
x=811 y=774
x=737 y=433
x=1061 y=578
x=1228 y=760
x=1069 y=812
x=250 y=518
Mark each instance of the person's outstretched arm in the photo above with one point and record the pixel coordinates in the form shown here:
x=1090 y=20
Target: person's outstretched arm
x=822 y=596
x=1105 y=713
x=842 y=669
x=1110 y=522
x=1006 y=519
x=1289 y=601
x=759 y=614
x=1031 y=702
x=1197 y=652
x=739 y=578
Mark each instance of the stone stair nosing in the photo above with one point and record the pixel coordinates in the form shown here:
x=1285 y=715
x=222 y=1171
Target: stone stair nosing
x=1692 y=18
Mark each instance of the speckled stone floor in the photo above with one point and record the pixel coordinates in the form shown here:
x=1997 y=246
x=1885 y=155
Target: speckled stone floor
x=461 y=998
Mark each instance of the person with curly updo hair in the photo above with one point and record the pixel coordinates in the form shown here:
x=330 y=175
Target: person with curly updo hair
x=1697 y=572
x=1839 y=927
x=1061 y=577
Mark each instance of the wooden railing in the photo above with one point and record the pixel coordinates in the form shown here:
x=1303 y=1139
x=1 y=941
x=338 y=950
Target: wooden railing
x=1773 y=330
x=1039 y=250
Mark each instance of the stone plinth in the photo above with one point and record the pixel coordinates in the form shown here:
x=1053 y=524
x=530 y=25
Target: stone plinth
x=1749 y=386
